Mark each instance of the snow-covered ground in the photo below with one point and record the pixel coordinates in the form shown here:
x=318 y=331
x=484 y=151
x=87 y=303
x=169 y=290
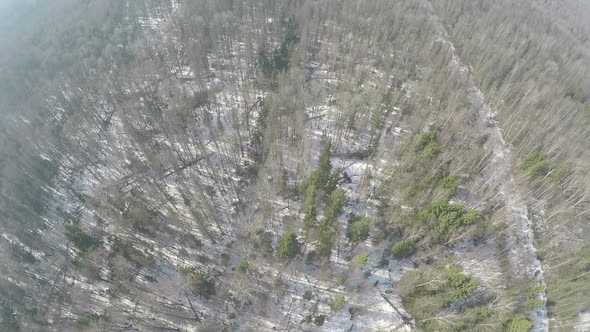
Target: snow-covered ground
x=583 y=322
x=379 y=307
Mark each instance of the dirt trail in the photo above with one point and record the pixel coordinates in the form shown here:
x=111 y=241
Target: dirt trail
x=520 y=238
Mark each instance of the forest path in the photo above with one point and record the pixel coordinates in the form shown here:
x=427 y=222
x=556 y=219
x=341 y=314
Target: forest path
x=497 y=174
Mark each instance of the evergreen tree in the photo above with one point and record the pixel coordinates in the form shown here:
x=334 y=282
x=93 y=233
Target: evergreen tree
x=309 y=206
x=289 y=247
x=321 y=176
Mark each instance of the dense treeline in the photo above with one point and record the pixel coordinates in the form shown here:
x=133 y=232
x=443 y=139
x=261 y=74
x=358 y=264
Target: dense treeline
x=533 y=68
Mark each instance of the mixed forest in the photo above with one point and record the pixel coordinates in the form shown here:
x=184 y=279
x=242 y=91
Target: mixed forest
x=296 y=165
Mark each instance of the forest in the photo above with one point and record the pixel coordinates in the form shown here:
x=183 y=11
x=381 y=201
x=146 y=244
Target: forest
x=295 y=165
